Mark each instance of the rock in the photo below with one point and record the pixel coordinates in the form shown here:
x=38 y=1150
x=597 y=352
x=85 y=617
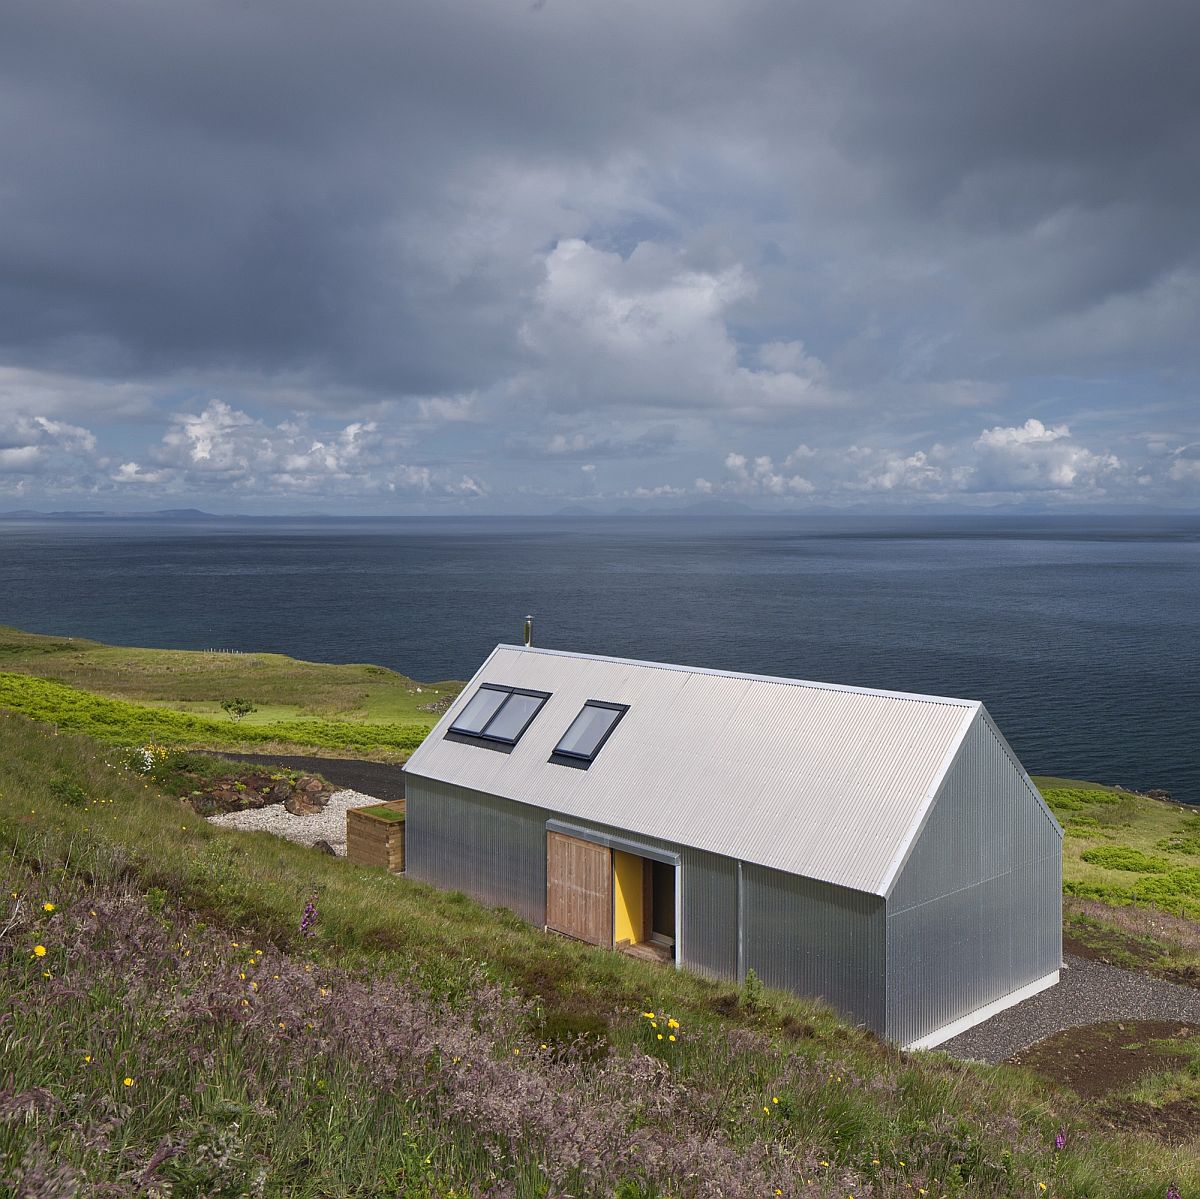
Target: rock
x=324 y=847
x=1159 y=793
x=300 y=804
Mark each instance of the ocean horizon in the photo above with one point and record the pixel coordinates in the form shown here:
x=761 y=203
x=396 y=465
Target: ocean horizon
x=1079 y=633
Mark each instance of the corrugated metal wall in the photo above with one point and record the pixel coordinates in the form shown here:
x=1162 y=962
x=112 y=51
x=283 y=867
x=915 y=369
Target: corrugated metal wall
x=976 y=912
x=491 y=849
x=709 y=913
x=815 y=939
x=495 y=850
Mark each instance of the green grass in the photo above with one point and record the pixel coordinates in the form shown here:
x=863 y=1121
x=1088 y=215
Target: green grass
x=854 y=1115
x=195 y=683
x=384 y=812
x=1123 y=848
x=1131 y=877
x=121 y=723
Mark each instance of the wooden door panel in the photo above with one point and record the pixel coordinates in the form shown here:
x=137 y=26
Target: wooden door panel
x=579 y=888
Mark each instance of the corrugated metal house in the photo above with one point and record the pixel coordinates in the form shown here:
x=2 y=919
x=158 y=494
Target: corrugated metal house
x=882 y=851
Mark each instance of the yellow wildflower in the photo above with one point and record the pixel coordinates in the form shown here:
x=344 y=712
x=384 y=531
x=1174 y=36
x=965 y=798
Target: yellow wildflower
x=774 y=1098
x=671 y=1037
x=48 y=907
x=129 y=1082
x=660 y=1036
x=39 y=951
x=648 y=1015
x=87 y=1059
x=1041 y=1186
x=766 y=1111
x=824 y=1163
x=516 y=1053
x=672 y=1023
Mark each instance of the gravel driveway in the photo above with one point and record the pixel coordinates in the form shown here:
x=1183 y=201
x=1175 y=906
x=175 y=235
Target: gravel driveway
x=1087 y=993
x=327 y=825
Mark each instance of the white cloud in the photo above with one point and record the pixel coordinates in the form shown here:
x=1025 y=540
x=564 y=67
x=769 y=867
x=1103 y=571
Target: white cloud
x=1000 y=461
x=1034 y=457
x=1185 y=464
x=761 y=476
x=222 y=448
x=51 y=449
x=652 y=331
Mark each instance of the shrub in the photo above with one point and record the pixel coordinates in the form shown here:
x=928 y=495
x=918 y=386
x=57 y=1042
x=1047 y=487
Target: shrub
x=1121 y=857
x=1189 y=844
x=237 y=708
x=1075 y=799
x=70 y=793
x=1172 y=890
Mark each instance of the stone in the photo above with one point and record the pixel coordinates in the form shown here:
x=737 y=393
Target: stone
x=324 y=847
x=300 y=804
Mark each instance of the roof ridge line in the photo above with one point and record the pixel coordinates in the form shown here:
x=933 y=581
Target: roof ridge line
x=912 y=696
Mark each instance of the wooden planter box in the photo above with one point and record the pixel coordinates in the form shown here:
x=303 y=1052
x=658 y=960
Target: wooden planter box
x=375 y=836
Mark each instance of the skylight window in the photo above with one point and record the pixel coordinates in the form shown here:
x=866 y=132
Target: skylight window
x=589 y=730
x=496 y=713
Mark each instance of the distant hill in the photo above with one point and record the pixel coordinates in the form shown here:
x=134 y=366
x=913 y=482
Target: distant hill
x=101 y=514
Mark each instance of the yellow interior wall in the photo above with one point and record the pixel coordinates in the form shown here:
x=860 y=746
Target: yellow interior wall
x=627 y=897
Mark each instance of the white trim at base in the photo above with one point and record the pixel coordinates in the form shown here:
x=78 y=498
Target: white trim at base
x=980 y=1014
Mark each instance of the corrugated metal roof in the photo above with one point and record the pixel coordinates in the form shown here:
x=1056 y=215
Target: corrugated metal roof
x=816 y=779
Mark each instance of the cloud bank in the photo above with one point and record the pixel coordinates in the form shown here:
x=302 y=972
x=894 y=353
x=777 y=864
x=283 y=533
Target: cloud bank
x=451 y=254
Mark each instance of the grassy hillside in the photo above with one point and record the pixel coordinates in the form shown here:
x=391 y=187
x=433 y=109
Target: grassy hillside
x=170 y=1030
x=1131 y=876
x=126 y=695
x=197 y=682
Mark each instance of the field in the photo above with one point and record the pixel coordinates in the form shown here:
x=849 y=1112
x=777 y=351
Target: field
x=120 y=695
x=170 y=1030
x=197 y=682
x=1131 y=877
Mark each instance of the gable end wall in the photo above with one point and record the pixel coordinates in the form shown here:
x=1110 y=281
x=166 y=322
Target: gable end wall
x=976 y=911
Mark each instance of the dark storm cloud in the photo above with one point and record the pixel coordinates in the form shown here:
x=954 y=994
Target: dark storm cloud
x=369 y=196
x=268 y=184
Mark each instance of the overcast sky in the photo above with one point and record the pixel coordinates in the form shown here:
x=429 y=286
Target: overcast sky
x=499 y=256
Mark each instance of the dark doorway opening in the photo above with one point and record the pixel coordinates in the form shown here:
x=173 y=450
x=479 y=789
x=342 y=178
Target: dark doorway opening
x=662 y=904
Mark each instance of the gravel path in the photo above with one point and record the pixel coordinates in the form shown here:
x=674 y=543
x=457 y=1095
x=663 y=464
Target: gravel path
x=327 y=825
x=1087 y=993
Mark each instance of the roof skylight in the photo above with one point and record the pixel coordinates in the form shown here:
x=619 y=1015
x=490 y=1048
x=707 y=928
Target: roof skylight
x=590 y=729
x=496 y=713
